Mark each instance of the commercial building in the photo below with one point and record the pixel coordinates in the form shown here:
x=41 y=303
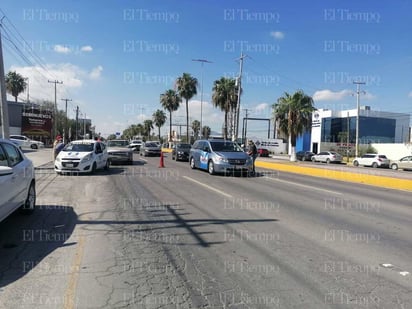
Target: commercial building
x=330 y=129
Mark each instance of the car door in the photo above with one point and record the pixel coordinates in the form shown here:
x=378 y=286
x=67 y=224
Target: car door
x=13 y=187
x=98 y=153
x=406 y=163
x=204 y=155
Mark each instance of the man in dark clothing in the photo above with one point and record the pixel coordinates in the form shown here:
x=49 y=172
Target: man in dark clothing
x=253 y=153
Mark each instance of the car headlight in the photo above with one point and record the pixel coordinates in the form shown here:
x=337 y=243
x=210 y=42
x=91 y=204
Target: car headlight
x=222 y=159
x=87 y=158
x=58 y=159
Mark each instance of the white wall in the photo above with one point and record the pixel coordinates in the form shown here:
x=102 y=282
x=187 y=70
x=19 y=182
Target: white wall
x=394 y=151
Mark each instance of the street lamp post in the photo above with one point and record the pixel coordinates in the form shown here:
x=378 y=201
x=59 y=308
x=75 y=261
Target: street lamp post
x=202 y=61
x=357 y=116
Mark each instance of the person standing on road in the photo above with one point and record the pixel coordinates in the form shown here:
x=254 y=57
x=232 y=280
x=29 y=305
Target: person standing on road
x=57 y=146
x=252 y=151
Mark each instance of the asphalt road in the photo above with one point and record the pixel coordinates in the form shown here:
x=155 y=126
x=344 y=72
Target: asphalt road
x=147 y=237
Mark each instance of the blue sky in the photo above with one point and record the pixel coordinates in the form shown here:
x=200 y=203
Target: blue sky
x=115 y=58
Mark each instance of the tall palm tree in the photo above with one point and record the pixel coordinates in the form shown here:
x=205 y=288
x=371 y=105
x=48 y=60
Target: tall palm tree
x=15 y=84
x=225 y=97
x=294 y=115
x=196 y=128
x=159 y=119
x=148 y=126
x=170 y=101
x=187 y=89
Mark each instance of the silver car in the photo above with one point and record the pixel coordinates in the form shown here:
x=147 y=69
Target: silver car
x=405 y=163
x=17 y=180
x=219 y=156
x=327 y=157
x=119 y=151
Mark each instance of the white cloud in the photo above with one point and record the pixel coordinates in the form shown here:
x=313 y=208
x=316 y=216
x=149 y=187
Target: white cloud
x=61 y=49
x=329 y=95
x=86 y=48
x=277 y=35
x=96 y=72
x=262 y=107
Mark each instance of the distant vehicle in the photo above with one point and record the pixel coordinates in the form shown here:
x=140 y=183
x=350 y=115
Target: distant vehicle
x=263 y=152
x=181 y=152
x=25 y=142
x=219 y=156
x=150 y=149
x=119 y=151
x=327 y=157
x=17 y=180
x=405 y=163
x=82 y=156
x=372 y=159
x=136 y=144
x=304 y=155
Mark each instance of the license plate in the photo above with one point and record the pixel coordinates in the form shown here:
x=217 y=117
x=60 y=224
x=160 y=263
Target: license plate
x=69 y=165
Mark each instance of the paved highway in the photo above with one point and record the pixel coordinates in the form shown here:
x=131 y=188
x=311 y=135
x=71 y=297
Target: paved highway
x=147 y=237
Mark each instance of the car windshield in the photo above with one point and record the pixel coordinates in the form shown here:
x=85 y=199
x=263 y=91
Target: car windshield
x=84 y=147
x=184 y=146
x=151 y=145
x=117 y=143
x=225 y=147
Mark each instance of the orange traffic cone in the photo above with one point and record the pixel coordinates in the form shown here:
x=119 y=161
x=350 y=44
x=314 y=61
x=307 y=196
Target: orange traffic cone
x=162 y=163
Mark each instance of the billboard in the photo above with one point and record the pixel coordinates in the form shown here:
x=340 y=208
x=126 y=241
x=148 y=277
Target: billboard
x=36 y=122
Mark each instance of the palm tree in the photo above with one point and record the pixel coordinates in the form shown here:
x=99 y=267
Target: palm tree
x=206 y=132
x=187 y=89
x=148 y=126
x=294 y=115
x=170 y=101
x=159 y=119
x=225 y=97
x=15 y=84
x=196 y=128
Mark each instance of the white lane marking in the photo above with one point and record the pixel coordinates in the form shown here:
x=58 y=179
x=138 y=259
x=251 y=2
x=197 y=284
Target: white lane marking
x=387 y=265
x=305 y=186
x=208 y=187
x=404 y=273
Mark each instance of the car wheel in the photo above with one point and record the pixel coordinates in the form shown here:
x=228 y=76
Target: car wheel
x=303 y=159
x=211 y=168
x=192 y=163
x=313 y=159
x=355 y=163
x=394 y=166
x=327 y=161
x=33 y=146
x=374 y=165
x=30 y=203
x=106 y=167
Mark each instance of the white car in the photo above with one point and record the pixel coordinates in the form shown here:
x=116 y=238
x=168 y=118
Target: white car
x=82 y=156
x=372 y=159
x=25 y=142
x=135 y=144
x=17 y=180
x=327 y=157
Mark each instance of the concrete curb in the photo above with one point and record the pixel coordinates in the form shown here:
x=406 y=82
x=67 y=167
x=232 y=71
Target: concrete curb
x=373 y=180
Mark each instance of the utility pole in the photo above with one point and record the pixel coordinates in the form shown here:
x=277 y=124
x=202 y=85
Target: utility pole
x=357 y=115
x=65 y=121
x=239 y=90
x=77 y=122
x=55 y=82
x=244 y=128
x=4 y=108
x=202 y=61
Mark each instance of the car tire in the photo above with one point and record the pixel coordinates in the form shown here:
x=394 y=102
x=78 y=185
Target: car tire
x=211 y=167
x=313 y=159
x=394 y=166
x=106 y=167
x=327 y=161
x=94 y=167
x=355 y=163
x=192 y=163
x=33 y=146
x=30 y=203
x=374 y=165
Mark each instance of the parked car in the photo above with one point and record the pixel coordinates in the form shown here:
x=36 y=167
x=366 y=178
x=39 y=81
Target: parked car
x=136 y=144
x=304 y=155
x=263 y=152
x=82 y=156
x=372 y=159
x=327 y=157
x=405 y=163
x=119 y=151
x=181 y=152
x=150 y=149
x=25 y=142
x=17 y=180
x=219 y=156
